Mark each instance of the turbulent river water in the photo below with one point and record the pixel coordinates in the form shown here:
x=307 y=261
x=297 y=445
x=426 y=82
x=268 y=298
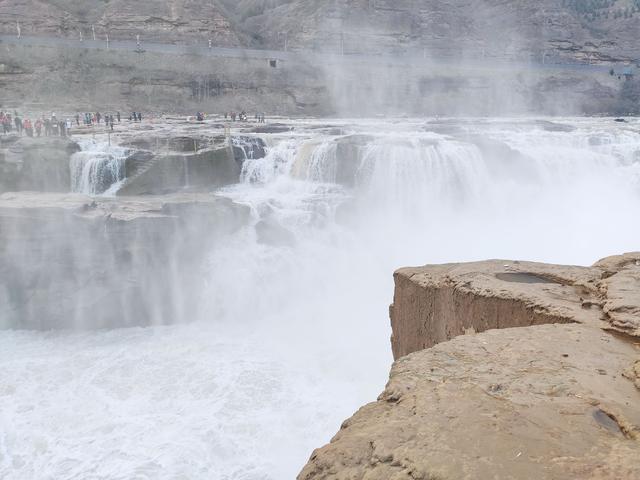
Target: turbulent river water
x=294 y=332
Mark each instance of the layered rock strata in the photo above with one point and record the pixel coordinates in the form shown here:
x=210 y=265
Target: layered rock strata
x=558 y=397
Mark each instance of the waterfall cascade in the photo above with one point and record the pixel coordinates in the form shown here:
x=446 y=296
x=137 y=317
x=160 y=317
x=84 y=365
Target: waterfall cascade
x=99 y=169
x=414 y=172
x=292 y=332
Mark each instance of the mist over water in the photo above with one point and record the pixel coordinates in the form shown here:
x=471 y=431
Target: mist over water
x=292 y=334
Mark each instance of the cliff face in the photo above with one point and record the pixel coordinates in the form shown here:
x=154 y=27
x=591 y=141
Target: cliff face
x=167 y=21
x=441 y=27
x=436 y=303
x=33 y=76
x=559 y=398
x=456 y=27
x=75 y=262
x=437 y=35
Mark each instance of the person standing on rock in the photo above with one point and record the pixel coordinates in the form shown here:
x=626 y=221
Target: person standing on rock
x=18 y=123
x=54 y=125
x=28 y=128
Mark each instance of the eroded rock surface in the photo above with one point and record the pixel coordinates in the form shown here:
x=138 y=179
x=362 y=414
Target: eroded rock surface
x=436 y=303
x=557 y=398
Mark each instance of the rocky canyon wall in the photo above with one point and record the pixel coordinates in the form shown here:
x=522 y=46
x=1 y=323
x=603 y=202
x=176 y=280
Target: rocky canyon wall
x=87 y=80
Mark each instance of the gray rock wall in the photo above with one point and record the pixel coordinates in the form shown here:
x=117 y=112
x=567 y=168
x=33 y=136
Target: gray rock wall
x=35 y=164
x=153 y=82
x=68 y=261
x=205 y=170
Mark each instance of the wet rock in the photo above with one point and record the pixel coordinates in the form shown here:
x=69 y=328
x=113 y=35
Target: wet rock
x=272 y=128
x=157 y=174
x=248 y=148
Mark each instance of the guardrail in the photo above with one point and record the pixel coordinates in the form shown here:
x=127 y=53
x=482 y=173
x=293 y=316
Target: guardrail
x=411 y=58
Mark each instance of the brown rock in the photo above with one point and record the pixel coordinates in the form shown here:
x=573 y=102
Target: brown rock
x=546 y=401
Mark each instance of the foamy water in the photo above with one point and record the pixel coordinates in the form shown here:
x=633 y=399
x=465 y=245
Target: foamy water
x=98 y=169
x=293 y=334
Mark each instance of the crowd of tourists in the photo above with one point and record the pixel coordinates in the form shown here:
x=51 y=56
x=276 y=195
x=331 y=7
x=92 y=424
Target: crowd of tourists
x=52 y=126
x=47 y=126
x=242 y=116
x=90 y=119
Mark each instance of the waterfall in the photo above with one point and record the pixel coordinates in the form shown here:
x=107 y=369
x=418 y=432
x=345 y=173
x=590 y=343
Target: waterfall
x=293 y=306
x=275 y=164
x=98 y=169
x=317 y=161
x=415 y=173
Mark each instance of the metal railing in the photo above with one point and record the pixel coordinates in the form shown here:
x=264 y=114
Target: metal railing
x=540 y=61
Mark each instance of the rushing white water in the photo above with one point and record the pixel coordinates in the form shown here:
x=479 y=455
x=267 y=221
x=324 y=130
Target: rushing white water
x=98 y=169
x=293 y=332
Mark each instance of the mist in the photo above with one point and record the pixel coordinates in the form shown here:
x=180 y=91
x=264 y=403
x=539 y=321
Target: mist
x=191 y=296
x=280 y=330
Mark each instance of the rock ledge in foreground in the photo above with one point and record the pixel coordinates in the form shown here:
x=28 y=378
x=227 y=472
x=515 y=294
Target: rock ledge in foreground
x=559 y=398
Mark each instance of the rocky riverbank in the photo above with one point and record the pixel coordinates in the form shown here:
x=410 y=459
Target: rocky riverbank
x=557 y=397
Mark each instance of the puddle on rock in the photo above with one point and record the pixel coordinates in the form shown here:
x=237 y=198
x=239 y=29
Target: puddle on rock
x=606 y=422
x=521 y=277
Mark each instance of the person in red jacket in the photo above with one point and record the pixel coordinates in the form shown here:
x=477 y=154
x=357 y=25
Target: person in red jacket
x=28 y=127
